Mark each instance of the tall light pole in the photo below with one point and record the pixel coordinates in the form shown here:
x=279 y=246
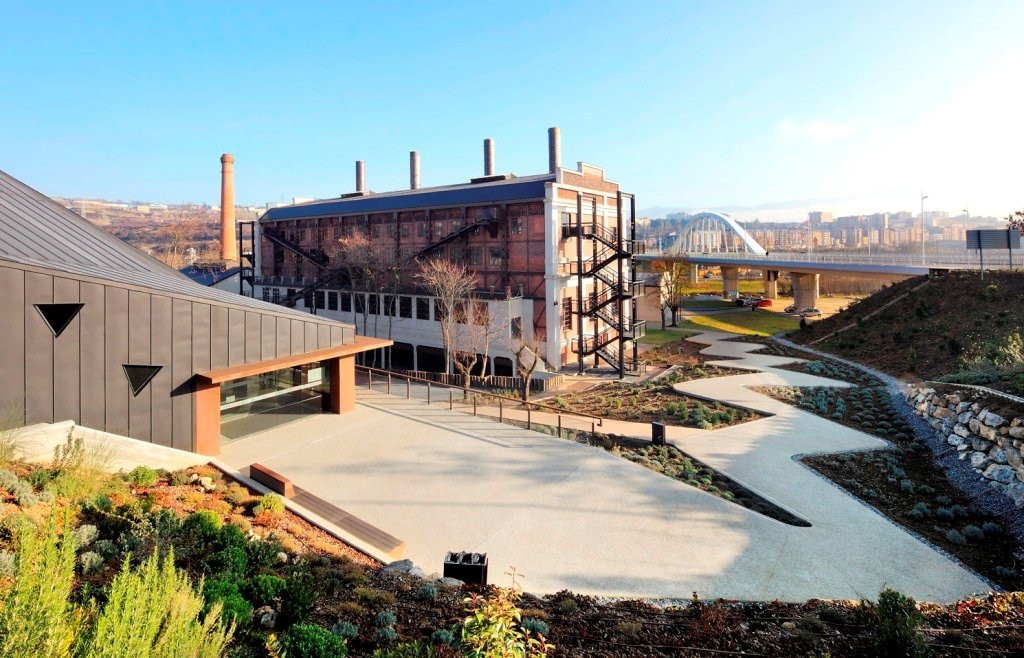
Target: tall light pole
x=923 y=197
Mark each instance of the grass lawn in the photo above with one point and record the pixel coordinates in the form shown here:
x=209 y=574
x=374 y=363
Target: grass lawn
x=705 y=287
x=758 y=323
x=660 y=337
x=707 y=303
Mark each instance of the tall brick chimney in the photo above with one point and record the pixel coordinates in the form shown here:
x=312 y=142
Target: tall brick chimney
x=360 y=175
x=488 y=157
x=554 y=149
x=228 y=241
x=414 y=170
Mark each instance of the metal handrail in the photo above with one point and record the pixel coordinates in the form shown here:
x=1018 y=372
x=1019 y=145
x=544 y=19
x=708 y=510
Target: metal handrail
x=430 y=382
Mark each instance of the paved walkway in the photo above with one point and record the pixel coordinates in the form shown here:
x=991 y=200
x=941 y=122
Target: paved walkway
x=569 y=516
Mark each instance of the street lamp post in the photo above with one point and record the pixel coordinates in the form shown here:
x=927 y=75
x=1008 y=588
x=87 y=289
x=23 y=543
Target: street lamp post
x=923 y=197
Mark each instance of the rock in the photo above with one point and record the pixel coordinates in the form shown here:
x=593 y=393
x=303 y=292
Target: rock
x=1015 y=490
x=954 y=440
x=1013 y=457
x=994 y=420
x=1016 y=432
x=207 y=483
x=976 y=408
x=1000 y=473
x=964 y=418
x=961 y=430
x=979 y=460
x=987 y=432
x=193 y=477
x=451 y=582
x=974 y=424
x=963 y=407
x=942 y=412
x=788 y=625
x=265 y=616
x=416 y=572
x=980 y=445
x=398 y=566
x=998 y=455
x=282 y=557
x=1017 y=422
x=953 y=400
x=963 y=446
x=982 y=415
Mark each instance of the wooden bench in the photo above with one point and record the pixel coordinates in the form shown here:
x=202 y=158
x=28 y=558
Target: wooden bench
x=372 y=535
x=272 y=480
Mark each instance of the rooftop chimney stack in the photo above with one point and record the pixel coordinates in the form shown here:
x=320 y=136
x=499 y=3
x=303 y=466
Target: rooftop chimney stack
x=228 y=241
x=360 y=176
x=488 y=157
x=414 y=170
x=554 y=149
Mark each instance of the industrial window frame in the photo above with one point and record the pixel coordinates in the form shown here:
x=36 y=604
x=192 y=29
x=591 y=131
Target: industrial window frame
x=423 y=308
x=346 y=302
x=332 y=301
x=405 y=306
x=567 y=313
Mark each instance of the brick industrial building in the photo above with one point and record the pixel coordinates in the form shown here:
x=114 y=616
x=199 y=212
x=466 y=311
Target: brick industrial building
x=551 y=252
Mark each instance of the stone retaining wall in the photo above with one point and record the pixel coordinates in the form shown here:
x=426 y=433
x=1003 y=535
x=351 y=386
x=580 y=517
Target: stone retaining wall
x=992 y=443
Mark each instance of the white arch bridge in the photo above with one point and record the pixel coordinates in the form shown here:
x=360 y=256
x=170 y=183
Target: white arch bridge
x=716 y=239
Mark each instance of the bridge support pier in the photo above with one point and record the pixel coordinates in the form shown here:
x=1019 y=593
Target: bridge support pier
x=691 y=273
x=730 y=282
x=771 y=284
x=805 y=290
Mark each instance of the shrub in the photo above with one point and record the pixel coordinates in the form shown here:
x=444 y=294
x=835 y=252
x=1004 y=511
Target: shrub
x=90 y=562
x=236 y=494
x=385 y=618
x=106 y=548
x=7 y=564
x=972 y=533
x=954 y=537
x=269 y=504
x=895 y=621
x=39 y=478
x=154 y=611
x=345 y=630
x=991 y=529
x=534 y=625
x=943 y=500
x=385 y=635
x=84 y=535
x=231 y=560
x=907 y=485
x=202 y=524
x=180 y=478
x=493 y=627
x=143 y=476
x=225 y=593
x=263 y=552
x=310 y=641
x=427 y=592
x=945 y=513
x=297 y=597
x=442 y=636
x=35 y=616
x=920 y=511
x=264 y=588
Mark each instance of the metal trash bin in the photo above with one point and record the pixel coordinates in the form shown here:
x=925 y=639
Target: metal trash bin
x=467 y=567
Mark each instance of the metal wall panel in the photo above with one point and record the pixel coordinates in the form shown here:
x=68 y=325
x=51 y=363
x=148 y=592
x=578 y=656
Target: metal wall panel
x=66 y=356
x=218 y=337
x=38 y=351
x=236 y=337
x=311 y=335
x=201 y=344
x=337 y=335
x=92 y=349
x=253 y=345
x=181 y=374
x=140 y=407
x=298 y=332
x=116 y=353
x=12 y=345
x=323 y=338
x=268 y=337
x=284 y=336
x=160 y=355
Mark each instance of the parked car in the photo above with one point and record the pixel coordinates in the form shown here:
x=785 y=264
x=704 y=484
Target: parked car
x=707 y=275
x=810 y=313
x=790 y=309
x=763 y=303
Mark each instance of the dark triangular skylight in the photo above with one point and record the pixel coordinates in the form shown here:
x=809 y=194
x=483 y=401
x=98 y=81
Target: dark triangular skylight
x=139 y=376
x=58 y=316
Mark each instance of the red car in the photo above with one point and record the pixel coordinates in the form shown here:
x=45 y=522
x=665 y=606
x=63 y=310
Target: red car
x=763 y=303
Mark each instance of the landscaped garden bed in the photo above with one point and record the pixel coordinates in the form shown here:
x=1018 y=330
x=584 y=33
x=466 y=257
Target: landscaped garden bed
x=191 y=564
x=655 y=401
x=905 y=483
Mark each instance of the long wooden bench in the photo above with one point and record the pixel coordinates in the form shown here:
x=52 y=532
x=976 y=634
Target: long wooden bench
x=355 y=526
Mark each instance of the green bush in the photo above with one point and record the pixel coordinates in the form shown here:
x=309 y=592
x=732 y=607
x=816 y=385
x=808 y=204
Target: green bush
x=426 y=592
x=297 y=597
x=143 y=476
x=90 y=562
x=39 y=478
x=203 y=524
x=442 y=636
x=385 y=635
x=973 y=533
x=344 y=629
x=954 y=537
x=236 y=494
x=385 y=618
x=535 y=626
x=896 y=621
x=225 y=593
x=264 y=589
x=493 y=628
x=310 y=641
x=269 y=504
x=231 y=560
x=180 y=478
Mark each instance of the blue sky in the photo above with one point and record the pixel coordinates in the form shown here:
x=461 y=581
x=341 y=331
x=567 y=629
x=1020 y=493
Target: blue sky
x=765 y=107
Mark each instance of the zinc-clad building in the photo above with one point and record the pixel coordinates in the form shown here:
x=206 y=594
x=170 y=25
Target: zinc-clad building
x=95 y=331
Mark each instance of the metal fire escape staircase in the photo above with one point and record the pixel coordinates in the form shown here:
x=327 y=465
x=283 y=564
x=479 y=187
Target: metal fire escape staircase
x=455 y=235
x=610 y=266
x=318 y=259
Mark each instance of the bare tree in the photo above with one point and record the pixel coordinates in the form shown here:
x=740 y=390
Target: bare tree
x=451 y=286
x=179 y=233
x=1016 y=220
x=526 y=352
x=672 y=287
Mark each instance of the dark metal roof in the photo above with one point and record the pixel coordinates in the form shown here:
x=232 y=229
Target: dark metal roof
x=513 y=189
x=37 y=231
x=208 y=275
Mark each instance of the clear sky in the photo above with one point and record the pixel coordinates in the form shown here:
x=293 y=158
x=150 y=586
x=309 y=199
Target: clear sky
x=774 y=107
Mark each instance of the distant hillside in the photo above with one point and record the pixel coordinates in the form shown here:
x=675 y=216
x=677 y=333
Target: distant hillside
x=950 y=325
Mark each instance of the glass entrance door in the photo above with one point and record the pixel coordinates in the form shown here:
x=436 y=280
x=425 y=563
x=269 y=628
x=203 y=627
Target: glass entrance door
x=260 y=402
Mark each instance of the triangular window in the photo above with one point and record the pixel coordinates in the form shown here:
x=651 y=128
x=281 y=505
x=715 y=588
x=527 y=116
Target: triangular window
x=139 y=376
x=58 y=316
